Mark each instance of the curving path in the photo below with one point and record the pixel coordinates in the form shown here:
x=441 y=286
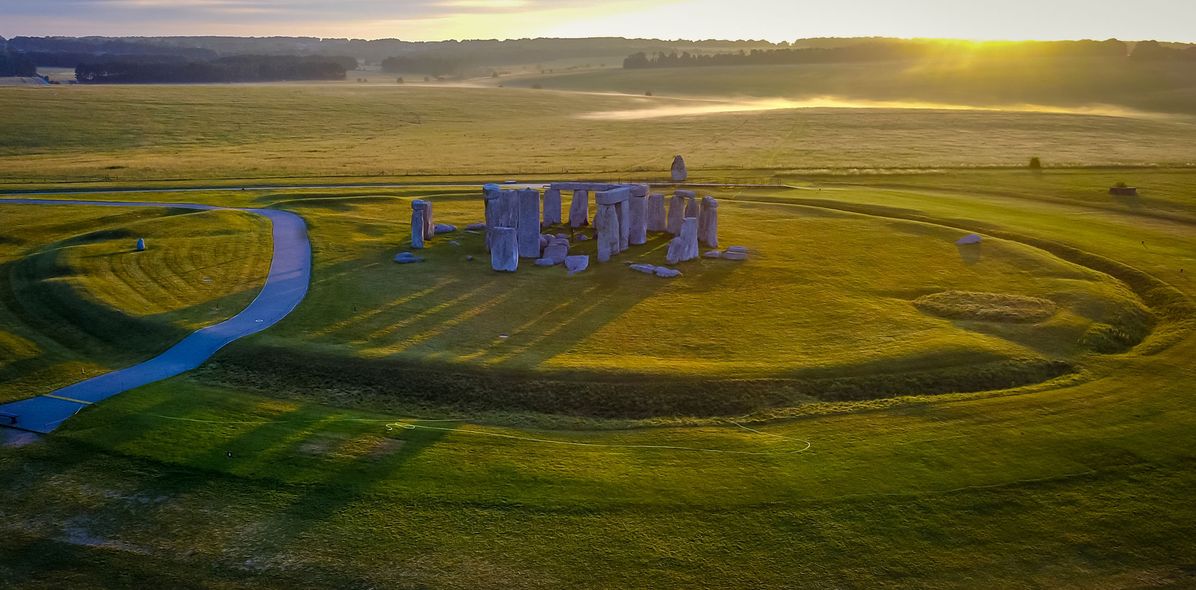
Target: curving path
x=286 y=285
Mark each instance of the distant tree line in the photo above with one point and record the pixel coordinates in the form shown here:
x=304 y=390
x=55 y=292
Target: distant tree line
x=898 y=50
x=240 y=68
x=16 y=64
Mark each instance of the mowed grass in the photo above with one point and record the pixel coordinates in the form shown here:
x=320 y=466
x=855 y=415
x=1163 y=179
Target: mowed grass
x=271 y=132
x=403 y=332
x=1083 y=484
x=77 y=299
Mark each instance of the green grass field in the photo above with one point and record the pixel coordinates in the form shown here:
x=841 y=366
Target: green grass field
x=385 y=436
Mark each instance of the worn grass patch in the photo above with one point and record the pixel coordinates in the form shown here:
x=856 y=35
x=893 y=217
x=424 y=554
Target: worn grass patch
x=987 y=307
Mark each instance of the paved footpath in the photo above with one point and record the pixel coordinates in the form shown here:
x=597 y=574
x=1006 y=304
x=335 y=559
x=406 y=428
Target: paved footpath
x=286 y=285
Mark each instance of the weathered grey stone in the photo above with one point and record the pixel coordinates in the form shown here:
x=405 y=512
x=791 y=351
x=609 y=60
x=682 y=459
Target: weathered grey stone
x=742 y=249
x=476 y=227
x=686 y=193
x=552 y=207
x=679 y=172
x=738 y=256
x=563 y=237
x=613 y=196
x=576 y=264
x=637 y=221
x=557 y=251
x=579 y=209
x=528 y=224
x=708 y=222
x=685 y=246
x=676 y=213
x=445 y=228
x=644 y=268
x=504 y=249
x=429 y=225
x=712 y=254
x=623 y=210
x=657 y=220
x=607 y=225
x=407 y=258
x=502 y=208
x=667 y=273
x=692 y=209
x=418 y=227
x=545 y=262
x=639 y=190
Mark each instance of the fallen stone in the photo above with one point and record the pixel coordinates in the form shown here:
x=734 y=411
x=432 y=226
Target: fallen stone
x=667 y=273
x=968 y=240
x=476 y=227
x=685 y=246
x=545 y=262
x=712 y=254
x=742 y=249
x=679 y=173
x=576 y=264
x=562 y=237
x=557 y=251
x=644 y=268
x=407 y=258
x=737 y=256
x=444 y=228
x=504 y=249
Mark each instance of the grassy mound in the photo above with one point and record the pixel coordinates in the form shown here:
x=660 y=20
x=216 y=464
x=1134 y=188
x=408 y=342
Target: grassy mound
x=77 y=299
x=987 y=307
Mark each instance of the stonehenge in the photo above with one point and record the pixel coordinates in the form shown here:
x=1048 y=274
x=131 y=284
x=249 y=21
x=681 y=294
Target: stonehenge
x=418 y=226
x=429 y=225
x=624 y=215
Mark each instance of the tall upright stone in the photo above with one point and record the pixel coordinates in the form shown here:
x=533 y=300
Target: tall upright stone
x=429 y=225
x=490 y=199
x=579 y=209
x=623 y=210
x=677 y=207
x=708 y=222
x=417 y=227
x=685 y=246
x=656 y=218
x=504 y=249
x=607 y=224
x=552 y=206
x=637 y=221
x=692 y=209
x=502 y=212
x=679 y=172
x=527 y=222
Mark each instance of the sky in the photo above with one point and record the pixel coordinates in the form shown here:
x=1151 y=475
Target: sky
x=774 y=20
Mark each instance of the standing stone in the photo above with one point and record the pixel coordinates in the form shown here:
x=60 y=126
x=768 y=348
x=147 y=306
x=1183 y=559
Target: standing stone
x=141 y=244
x=504 y=249
x=417 y=227
x=429 y=225
x=676 y=212
x=685 y=246
x=579 y=209
x=607 y=224
x=527 y=222
x=552 y=207
x=624 y=212
x=692 y=209
x=502 y=212
x=637 y=221
x=490 y=196
x=680 y=174
x=656 y=218
x=708 y=222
